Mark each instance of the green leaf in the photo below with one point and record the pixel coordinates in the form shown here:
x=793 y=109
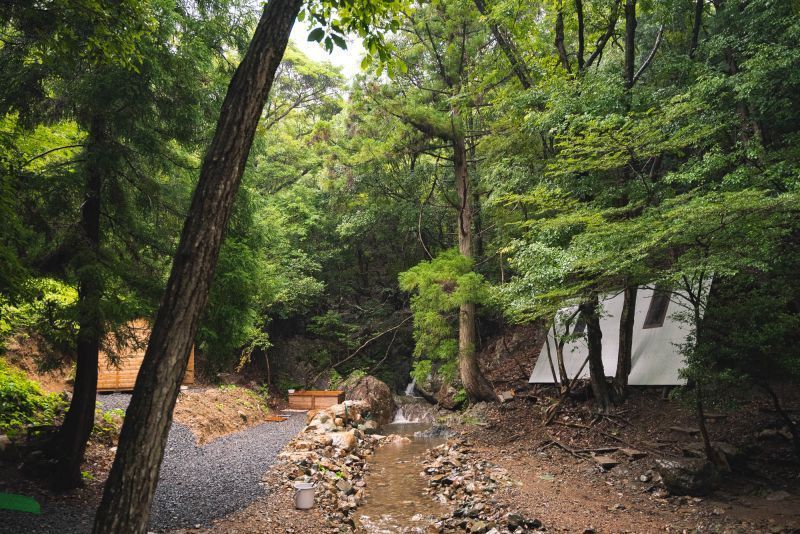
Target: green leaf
x=341 y=43
x=316 y=35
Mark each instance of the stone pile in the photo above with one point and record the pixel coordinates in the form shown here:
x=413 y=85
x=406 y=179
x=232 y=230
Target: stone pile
x=456 y=479
x=331 y=452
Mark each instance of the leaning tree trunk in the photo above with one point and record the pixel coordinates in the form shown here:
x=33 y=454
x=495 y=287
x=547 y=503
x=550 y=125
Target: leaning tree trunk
x=594 y=337
x=69 y=445
x=626 y=321
x=125 y=507
x=475 y=384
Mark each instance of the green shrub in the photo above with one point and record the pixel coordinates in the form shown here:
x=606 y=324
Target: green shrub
x=22 y=402
x=46 y=306
x=440 y=286
x=107 y=425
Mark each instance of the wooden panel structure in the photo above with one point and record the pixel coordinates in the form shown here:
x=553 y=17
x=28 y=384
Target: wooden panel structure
x=122 y=377
x=314 y=399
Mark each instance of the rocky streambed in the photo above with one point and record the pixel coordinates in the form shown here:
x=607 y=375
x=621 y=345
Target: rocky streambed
x=332 y=452
x=412 y=480
x=467 y=486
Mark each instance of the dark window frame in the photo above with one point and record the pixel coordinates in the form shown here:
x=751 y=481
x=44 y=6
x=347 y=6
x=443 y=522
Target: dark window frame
x=657 y=311
x=580 y=326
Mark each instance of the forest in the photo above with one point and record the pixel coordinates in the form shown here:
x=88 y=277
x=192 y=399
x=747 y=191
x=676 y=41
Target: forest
x=496 y=170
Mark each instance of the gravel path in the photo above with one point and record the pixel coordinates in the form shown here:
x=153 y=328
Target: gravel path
x=196 y=484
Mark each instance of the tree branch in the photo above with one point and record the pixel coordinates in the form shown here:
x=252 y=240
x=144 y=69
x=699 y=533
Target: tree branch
x=46 y=152
x=650 y=56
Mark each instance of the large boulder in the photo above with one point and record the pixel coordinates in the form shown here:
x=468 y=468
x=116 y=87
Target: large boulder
x=687 y=477
x=377 y=395
x=344 y=440
x=446 y=397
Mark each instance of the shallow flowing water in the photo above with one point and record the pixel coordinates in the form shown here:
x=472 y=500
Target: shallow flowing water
x=396 y=500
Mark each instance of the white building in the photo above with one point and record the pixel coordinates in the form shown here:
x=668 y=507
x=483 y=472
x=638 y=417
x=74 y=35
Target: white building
x=657 y=336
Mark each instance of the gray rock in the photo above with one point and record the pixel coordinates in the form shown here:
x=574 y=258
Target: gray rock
x=734 y=456
x=197 y=484
x=436 y=430
x=344 y=486
x=515 y=521
x=687 y=477
x=370 y=427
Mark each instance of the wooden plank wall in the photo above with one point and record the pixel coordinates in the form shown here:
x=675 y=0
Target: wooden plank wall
x=311 y=400
x=123 y=376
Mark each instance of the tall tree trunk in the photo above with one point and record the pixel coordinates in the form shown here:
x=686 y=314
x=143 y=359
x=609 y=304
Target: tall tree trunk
x=128 y=495
x=626 y=321
x=581 y=32
x=475 y=384
x=594 y=337
x=69 y=444
x=698 y=20
x=630 y=42
x=695 y=298
x=559 y=42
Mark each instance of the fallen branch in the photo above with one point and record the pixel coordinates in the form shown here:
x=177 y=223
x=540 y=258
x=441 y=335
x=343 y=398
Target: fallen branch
x=606 y=434
x=563 y=447
x=600 y=450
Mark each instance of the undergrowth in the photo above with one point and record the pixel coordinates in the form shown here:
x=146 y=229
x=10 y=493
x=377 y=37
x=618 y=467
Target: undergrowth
x=23 y=403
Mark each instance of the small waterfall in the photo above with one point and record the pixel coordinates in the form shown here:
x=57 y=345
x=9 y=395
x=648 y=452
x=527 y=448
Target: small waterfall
x=400 y=417
x=410 y=388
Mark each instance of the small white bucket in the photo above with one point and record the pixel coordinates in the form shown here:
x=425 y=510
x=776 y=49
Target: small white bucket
x=303 y=495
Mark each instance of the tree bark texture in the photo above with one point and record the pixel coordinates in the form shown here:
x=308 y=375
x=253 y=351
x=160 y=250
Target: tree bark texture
x=475 y=384
x=125 y=507
x=630 y=42
x=69 y=445
x=559 y=42
x=626 y=321
x=581 y=31
x=698 y=20
x=594 y=337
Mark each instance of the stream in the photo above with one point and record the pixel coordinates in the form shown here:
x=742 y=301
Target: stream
x=396 y=499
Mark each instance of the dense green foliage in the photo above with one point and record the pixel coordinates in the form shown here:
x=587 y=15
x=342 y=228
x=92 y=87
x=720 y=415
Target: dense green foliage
x=23 y=403
x=440 y=285
x=590 y=170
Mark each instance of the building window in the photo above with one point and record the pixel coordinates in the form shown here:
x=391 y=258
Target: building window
x=580 y=326
x=657 y=311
